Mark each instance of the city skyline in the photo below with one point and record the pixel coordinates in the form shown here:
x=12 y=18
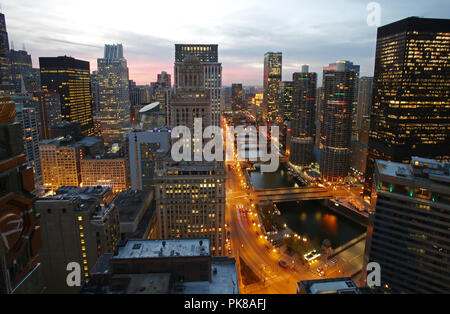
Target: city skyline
x=244 y=31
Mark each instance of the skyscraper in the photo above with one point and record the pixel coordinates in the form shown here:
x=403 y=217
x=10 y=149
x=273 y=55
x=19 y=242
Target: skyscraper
x=70 y=78
x=285 y=99
x=236 y=97
x=6 y=86
x=336 y=128
x=365 y=97
x=113 y=95
x=408 y=230
x=27 y=113
x=208 y=56
x=410 y=113
x=303 y=117
x=272 y=78
x=190 y=195
x=49 y=112
x=20 y=65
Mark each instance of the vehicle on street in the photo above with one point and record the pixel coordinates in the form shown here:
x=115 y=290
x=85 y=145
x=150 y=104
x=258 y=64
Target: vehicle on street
x=283 y=264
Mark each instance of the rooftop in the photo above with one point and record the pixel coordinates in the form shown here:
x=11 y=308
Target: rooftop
x=131 y=203
x=223 y=280
x=329 y=286
x=139 y=249
x=419 y=170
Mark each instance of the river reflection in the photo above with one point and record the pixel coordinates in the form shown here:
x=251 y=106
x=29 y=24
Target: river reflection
x=317 y=222
x=273 y=180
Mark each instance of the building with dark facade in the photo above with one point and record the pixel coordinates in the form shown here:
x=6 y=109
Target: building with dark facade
x=336 y=127
x=408 y=234
x=7 y=87
x=272 y=78
x=285 y=98
x=20 y=261
x=178 y=266
x=20 y=64
x=410 y=114
x=237 y=97
x=303 y=118
x=70 y=78
x=77 y=226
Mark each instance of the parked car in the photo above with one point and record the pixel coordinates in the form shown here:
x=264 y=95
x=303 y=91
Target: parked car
x=283 y=264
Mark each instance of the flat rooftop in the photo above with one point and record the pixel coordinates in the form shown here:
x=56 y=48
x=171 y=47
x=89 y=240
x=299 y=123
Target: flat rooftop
x=329 y=286
x=419 y=170
x=131 y=203
x=140 y=249
x=223 y=280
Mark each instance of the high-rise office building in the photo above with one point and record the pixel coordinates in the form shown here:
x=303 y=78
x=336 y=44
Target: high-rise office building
x=208 y=56
x=27 y=113
x=190 y=202
x=70 y=78
x=237 y=97
x=20 y=262
x=336 y=128
x=20 y=62
x=143 y=148
x=190 y=196
x=408 y=227
x=77 y=226
x=7 y=88
x=60 y=160
x=303 y=118
x=49 y=112
x=410 y=115
x=365 y=98
x=285 y=98
x=113 y=95
x=95 y=93
x=272 y=78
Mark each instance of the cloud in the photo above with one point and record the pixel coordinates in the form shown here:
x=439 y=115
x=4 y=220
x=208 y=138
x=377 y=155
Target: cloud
x=312 y=32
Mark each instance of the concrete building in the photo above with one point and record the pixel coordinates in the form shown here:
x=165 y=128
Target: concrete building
x=208 y=55
x=49 y=112
x=303 y=118
x=137 y=214
x=27 y=113
x=181 y=266
x=190 y=202
x=20 y=261
x=20 y=62
x=333 y=286
x=408 y=234
x=285 y=99
x=336 y=128
x=76 y=227
x=108 y=169
x=142 y=151
x=61 y=159
x=365 y=98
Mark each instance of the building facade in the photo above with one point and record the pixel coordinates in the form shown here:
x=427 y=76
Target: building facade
x=408 y=232
x=208 y=55
x=70 y=78
x=303 y=118
x=76 y=227
x=272 y=78
x=113 y=95
x=336 y=127
x=410 y=115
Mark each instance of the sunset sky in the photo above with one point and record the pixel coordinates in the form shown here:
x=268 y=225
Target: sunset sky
x=311 y=32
